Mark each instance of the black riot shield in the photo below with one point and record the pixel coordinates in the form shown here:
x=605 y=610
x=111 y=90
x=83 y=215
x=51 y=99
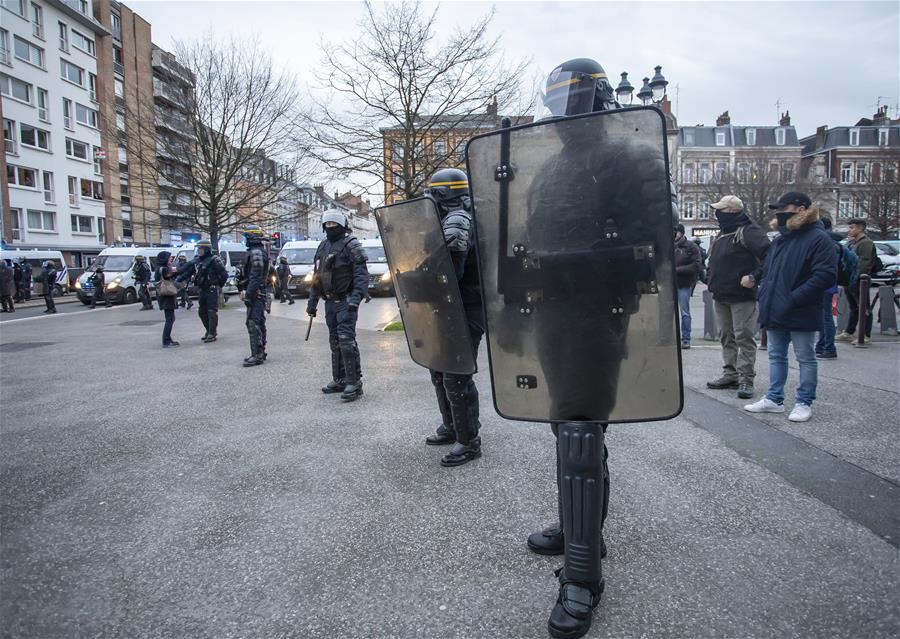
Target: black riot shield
x=426 y=286
x=575 y=246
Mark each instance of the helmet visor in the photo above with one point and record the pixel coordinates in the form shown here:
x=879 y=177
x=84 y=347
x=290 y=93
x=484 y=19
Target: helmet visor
x=571 y=92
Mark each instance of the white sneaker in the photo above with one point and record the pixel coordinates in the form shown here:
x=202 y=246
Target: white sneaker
x=765 y=405
x=844 y=337
x=801 y=413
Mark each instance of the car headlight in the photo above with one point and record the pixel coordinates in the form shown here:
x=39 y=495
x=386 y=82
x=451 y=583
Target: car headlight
x=78 y=284
x=386 y=277
x=308 y=278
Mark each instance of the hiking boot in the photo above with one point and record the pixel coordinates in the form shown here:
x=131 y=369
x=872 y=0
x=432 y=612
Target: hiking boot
x=723 y=382
x=333 y=386
x=352 y=392
x=462 y=453
x=745 y=390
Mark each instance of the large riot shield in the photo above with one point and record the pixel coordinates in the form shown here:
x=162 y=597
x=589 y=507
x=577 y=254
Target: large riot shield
x=426 y=286
x=575 y=246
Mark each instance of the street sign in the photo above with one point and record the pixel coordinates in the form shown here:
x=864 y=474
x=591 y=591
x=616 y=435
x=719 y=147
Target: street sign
x=99 y=154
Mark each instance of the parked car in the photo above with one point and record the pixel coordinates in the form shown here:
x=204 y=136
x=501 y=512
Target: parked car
x=379 y=272
x=37 y=257
x=117 y=262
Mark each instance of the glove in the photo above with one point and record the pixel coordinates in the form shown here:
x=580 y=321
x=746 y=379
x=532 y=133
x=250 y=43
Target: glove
x=311 y=311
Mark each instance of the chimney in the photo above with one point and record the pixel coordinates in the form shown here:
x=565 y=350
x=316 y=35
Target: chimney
x=821 y=133
x=785 y=119
x=492 y=106
x=723 y=120
x=337 y=196
x=320 y=190
x=881 y=117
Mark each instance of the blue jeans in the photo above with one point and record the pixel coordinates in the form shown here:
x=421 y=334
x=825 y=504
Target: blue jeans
x=826 y=335
x=778 y=364
x=684 y=304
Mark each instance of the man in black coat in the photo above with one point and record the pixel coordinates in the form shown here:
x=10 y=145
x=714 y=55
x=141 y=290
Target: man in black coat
x=209 y=275
x=7 y=287
x=48 y=282
x=687 y=270
x=284 y=279
x=733 y=274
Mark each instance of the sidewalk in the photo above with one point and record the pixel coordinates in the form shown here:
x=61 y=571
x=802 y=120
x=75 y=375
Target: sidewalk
x=170 y=492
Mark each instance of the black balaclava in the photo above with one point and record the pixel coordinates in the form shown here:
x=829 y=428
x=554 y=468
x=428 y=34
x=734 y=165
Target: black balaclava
x=729 y=222
x=334 y=233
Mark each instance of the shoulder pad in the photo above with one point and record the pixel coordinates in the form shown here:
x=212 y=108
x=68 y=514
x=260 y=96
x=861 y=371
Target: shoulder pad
x=457 y=226
x=357 y=253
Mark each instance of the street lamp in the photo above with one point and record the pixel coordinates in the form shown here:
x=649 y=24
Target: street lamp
x=645 y=95
x=624 y=92
x=658 y=85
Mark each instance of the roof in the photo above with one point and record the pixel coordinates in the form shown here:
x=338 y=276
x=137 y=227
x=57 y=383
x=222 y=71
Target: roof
x=839 y=137
x=85 y=20
x=735 y=136
x=459 y=122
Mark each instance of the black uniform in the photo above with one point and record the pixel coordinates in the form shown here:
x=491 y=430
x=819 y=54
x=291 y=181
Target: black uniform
x=98 y=280
x=209 y=276
x=142 y=276
x=7 y=287
x=341 y=277
x=17 y=280
x=253 y=283
x=27 y=273
x=184 y=299
x=48 y=281
x=457 y=395
x=284 y=278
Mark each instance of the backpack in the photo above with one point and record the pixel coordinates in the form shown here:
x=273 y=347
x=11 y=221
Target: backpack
x=877 y=264
x=848 y=266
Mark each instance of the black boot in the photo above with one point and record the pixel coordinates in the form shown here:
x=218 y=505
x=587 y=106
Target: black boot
x=462 y=453
x=550 y=541
x=462 y=398
x=353 y=388
x=444 y=433
x=336 y=385
x=442 y=436
x=256 y=352
x=571 y=616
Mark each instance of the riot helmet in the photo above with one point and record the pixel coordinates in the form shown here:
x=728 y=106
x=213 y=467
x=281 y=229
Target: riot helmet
x=578 y=86
x=204 y=248
x=282 y=259
x=335 y=224
x=253 y=235
x=49 y=264
x=99 y=268
x=182 y=257
x=449 y=188
x=139 y=258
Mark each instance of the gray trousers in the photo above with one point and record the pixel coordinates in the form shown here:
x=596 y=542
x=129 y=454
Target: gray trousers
x=737 y=323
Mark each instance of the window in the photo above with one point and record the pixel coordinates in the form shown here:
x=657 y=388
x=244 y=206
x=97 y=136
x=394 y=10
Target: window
x=720 y=138
x=398 y=152
x=688 y=138
x=15 y=88
x=4 y=48
x=87 y=116
x=705 y=173
x=787 y=173
x=883 y=136
x=120 y=121
x=861 y=172
x=48 y=187
x=92 y=87
x=16 y=6
x=755 y=173
x=774 y=171
x=63 y=37
x=721 y=172
x=751 y=137
x=41 y=220
x=890 y=172
x=77 y=150
x=81 y=41
x=844 y=207
x=21 y=176
x=28 y=52
x=862 y=207
x=743 y=173
x=120 y=88
x=73 y=191
x=101 y=230
x=67 y=114
x=116 y=26
x=70 y=72
x=118 y=61
x=779 y=137
x=91 y=189
x=37 y=21
x=687 y=174
x=82 y=224
x=9 y=137
x=43 y=103
x=688 y=210
x=34 y=137
x=440 y=148
x=98 y=161
x=703 y=209
x=16 y=223
x=846 y=172
x=854 y=137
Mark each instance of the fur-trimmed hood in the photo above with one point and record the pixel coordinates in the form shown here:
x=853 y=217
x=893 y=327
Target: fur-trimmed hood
x=809 y=216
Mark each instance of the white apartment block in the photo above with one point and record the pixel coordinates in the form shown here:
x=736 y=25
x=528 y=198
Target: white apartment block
x=51 y=126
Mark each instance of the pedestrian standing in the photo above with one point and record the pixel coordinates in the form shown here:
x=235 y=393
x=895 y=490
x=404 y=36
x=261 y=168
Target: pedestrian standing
x=825 y=348
x=254 y=293
x=167 y=302
x=184 y=300
x=27 y=274
x=142 y=276
x=864 y=248
x=284 y=279
x=7 y=287
x=98 y=281
x=48 y=282
x=209 y=275
x=687 y=270
x=799 y=268
x=733 y=274
x=17 y=278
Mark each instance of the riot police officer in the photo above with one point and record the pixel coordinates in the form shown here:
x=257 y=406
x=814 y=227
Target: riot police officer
x=27 y=273
x=283 y=272
x=209 y=275
x=98 y=280
x=48 y=282
x=457 y=396
x=253 y=288
x=142 y=275
x=341 y=277
x=184 y=300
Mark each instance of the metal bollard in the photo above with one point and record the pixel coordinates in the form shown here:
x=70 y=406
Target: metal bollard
x=887 y=316
x=843 y=310
x=710 y=326
x=863 y=310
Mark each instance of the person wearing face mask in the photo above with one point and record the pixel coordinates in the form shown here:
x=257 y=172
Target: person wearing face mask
x=341 y=277
x=733 y=275
x=799 y=268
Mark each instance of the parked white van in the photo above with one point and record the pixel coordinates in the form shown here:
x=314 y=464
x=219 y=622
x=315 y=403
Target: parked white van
x=300 y=255
x=36 y=258
x=117 y=262
x=379 y=272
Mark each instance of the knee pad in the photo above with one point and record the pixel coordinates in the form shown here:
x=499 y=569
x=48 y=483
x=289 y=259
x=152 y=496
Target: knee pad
x=333 y=342
x=456 y=385
x=437 y=378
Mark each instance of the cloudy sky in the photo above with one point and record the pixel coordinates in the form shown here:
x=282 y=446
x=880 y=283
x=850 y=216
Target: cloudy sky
x=828 y=62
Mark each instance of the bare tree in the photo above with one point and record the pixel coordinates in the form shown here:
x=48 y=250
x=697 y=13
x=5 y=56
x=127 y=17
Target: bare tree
x=396 y=89
x=229 y=148
x=884 y=207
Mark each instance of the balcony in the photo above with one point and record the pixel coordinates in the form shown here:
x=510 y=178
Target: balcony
x=167 y=63
x=170 y=94
x=173 y=123
x=119 y=68
x=10 y=146
x=5 y=57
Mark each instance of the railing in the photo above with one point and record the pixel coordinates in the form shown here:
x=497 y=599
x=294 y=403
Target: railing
x=73 y=200
x=37 y=30
x=67 y=122
x=10 y=146
x=48 y=196
x=4 y=56
x=43 y=115
x=63 y=44
x=17 y=235
x=93 y=95
x=119 y=68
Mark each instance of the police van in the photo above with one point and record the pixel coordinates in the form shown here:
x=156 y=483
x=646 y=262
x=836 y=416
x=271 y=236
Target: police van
x=300 y=255
x=379 y=272
x=117 y=262
x=37 y=258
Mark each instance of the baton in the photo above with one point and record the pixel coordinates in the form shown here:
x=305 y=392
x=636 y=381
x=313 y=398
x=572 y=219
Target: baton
x=308 y=328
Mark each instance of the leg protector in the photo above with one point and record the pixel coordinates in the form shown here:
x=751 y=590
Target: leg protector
x=459 y=391
x=350 y=356
x=212 y=325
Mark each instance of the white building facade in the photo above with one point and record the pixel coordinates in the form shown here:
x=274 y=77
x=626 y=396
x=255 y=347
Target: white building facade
x=51 y=126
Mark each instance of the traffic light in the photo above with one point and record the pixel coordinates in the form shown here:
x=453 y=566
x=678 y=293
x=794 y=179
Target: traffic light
x=276 y=238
